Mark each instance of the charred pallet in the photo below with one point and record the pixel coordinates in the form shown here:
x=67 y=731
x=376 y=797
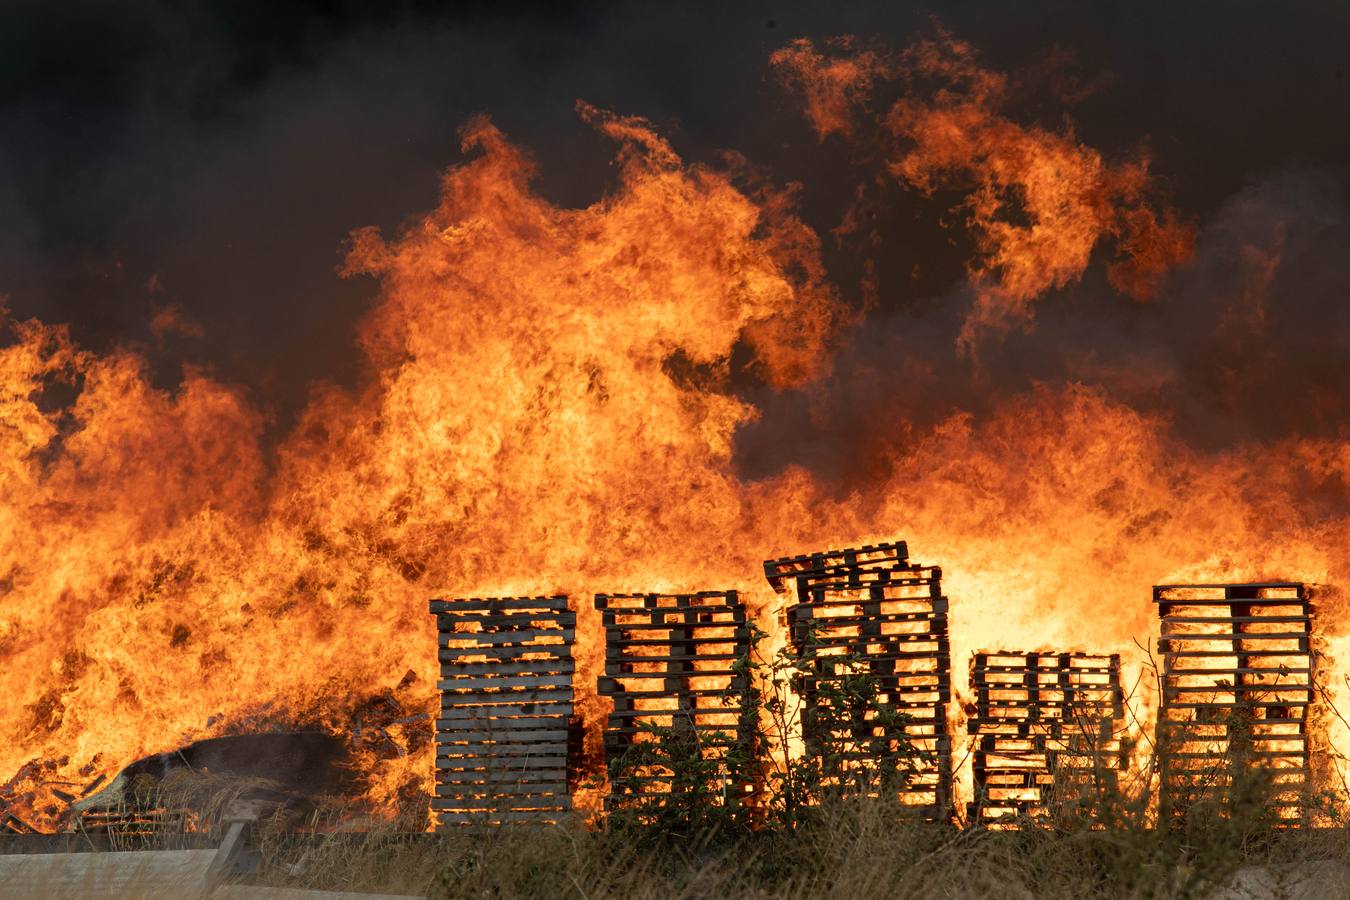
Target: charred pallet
x=1046 y=733
x=1237 y=688
x=870 y=629
x=682 y=728
x=132 y=822
x=12 y=823
x=502 y=739
x=795 y=572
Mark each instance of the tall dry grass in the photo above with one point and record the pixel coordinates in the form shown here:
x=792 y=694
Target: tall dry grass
x=1103 y=844
x=848 y=849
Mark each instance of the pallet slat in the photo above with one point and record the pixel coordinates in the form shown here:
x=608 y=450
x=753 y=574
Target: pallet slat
x=505 y=729
x=1266 y=687
x=1059 y=730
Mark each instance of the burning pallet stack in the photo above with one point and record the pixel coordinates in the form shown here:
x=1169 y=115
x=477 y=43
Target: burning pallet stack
x=682 y=699
x=1237 y=685
x=874 y=628
x=1046 y=732
x=506 y=706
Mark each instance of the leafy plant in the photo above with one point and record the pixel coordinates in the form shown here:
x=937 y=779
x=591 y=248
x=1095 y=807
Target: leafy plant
x=688 y=778
x=853 y=741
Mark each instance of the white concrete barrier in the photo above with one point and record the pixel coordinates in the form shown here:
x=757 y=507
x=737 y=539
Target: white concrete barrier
x=117 y=874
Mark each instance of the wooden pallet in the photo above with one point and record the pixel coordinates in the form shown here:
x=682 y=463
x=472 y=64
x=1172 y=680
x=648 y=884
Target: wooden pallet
x=869 y=614
x=132 y=821
x=505 y=725
x=1237 y=686
x=674 y=670
x=798 y=571
x=1046 y=728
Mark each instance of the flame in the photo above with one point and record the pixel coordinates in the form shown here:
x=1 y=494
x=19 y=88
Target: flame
x=1037 y=202
x=831 y=86
x=551 y=408
x=547 y=412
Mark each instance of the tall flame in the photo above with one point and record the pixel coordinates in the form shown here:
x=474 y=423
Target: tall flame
x=548 y=413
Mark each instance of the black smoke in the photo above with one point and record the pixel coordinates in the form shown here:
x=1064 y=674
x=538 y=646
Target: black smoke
x=211 y=159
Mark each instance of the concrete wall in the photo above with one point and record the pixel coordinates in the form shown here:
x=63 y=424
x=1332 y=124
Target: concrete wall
x=127 y=873
x=190 y=874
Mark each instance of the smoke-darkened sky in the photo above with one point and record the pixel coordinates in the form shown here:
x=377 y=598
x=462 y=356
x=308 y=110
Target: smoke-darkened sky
x=215 y=157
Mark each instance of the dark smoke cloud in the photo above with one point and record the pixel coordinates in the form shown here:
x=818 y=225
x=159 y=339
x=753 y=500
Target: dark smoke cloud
x=1259 y=323
x=211 y=159
x=1247 y=342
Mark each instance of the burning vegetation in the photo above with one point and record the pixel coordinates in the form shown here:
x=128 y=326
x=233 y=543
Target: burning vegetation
x=554 y=404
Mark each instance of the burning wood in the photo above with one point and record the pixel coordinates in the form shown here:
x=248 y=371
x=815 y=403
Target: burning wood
x=675 y=670
x=655 y=385
x=12 y=824
x=1237 y=686
x=846 y=565
x=1046 y=731
x=506 y=705
x=208 y=781
x=873 y=630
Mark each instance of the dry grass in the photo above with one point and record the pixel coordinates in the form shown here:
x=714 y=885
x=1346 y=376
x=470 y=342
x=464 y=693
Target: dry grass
x=849 y=848
x=859 y=849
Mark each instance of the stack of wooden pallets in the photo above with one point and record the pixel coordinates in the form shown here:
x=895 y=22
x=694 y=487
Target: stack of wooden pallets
x=1237 y=685
x=872 y=628
x=1046 y=732
x=682 y=726
x=506 y=706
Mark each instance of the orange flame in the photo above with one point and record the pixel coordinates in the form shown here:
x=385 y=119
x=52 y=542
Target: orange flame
x=549 y=410
x=831 y=86
x=546 y=413
x=1038 y=202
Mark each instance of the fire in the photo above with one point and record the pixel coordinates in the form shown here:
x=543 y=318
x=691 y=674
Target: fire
x=831 y=86
x=552 y=408
x=547 y=412
x=1037 y=202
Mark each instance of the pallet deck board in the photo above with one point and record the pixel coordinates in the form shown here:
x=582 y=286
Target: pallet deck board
x=1259 y=693
x=1059 y=730
x=505 y=728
